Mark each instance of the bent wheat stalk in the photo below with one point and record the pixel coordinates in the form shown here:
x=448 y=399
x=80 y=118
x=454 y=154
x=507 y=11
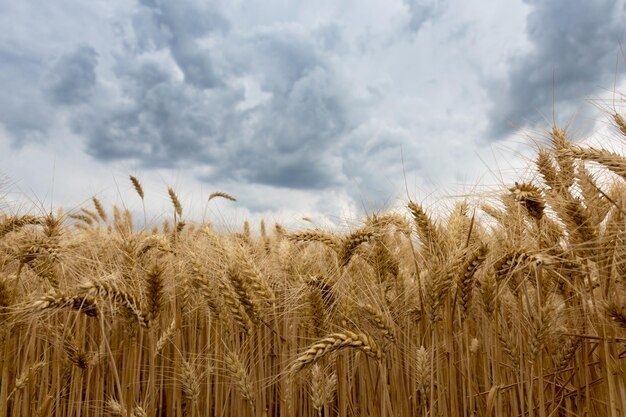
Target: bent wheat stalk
x=222 y=195
x=333 y=343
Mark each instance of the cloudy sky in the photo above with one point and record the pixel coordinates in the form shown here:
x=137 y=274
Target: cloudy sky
x=323 y=109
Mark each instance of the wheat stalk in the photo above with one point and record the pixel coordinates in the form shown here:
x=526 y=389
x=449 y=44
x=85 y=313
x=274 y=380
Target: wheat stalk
x=222 y=195
x=137 y=186
x=467 y=278
x=530 y=197
x=175 y=202
x=322 y=387
x=83 y=218
x=100 y=209
x=190 y=385
x=154 y=291
x=26 y=375
x=614 y=162
x=110 y=290
x=240 y=375
x=333 y=343
x=352 y=242
x=382 y=323
x=13 y=223
x=327 y=238
x=165 y=337
x=84 y=303
x=423 y=370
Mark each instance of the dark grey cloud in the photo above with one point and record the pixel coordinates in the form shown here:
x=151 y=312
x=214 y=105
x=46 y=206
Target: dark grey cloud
x=291 y=138
x=331 y=37
x=73 y=76
x=421 y=11
x=574 y=44
x=181 y=27
x=23 y=111
x=161 y=121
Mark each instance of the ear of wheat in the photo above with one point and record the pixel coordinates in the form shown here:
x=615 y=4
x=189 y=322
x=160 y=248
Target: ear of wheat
x=333 y=343
x=222 y=195
x=137 y=186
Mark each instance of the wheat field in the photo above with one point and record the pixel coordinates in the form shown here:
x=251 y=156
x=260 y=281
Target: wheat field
x=513 y=306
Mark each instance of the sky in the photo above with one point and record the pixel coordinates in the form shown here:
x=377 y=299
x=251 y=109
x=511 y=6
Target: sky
x=326 y=109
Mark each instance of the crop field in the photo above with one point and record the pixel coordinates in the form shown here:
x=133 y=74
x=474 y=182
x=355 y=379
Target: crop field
x=511 y=306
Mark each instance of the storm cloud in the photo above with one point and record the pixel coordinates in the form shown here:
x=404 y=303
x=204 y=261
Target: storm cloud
x=73 y=76
x=573 y=51
x=179 y=106
x=24 y=112
x=421 y=11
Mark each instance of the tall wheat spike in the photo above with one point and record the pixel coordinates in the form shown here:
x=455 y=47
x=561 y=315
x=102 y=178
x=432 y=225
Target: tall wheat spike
x=175 y=202
x=137 y=186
